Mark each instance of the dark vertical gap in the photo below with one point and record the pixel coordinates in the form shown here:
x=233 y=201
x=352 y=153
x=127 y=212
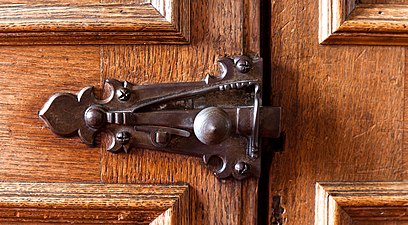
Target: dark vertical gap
x=266 y=159
x=277 y=210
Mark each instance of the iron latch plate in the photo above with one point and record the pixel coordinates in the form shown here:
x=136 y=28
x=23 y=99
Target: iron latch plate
x=220 y=119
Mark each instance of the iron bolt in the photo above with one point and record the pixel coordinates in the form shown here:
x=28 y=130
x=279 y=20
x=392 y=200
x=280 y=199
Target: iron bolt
x=243 y=65
x=241 y=168
x=123 y=137
x=123 y=94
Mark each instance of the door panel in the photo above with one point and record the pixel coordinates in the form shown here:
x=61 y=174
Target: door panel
x=69 y=203
x=347 y=203
x=344 y=111
x=353 y=22
x=218 y=28
x=94 y=22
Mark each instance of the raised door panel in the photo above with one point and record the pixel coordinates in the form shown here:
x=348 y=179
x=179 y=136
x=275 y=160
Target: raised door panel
x=363 y=22
x=70 y=203
x=94 y=22
x=358 y=203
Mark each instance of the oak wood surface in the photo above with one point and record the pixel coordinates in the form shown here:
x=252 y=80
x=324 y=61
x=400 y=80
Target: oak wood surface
x=344 y=111
x=93 y=22
x=70 y=203
x=28 y=75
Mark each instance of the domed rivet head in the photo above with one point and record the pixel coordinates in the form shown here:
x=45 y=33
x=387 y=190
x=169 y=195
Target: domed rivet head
x=123 y=94
x=123 y=137
x=241 y=168
x=95 y=117
x=243 y=65
x=212 y=126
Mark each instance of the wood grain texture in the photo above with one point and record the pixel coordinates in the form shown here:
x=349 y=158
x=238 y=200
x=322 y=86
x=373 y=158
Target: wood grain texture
x=30 y=152
x=344 y=22
x=68 y=203
x=252 y=28
x=343 y=111
x=405 y=136
x=28 y=76
x=131 y=22
x=361 y=201
x=219 y=28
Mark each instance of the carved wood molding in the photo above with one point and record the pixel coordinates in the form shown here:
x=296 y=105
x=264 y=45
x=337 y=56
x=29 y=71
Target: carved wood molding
x=70 y=203
x=136 y=22
x=348 y=203
x=348 y=22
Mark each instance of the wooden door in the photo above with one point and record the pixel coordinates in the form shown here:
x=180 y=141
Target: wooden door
x=53 y=46
x=342 y=86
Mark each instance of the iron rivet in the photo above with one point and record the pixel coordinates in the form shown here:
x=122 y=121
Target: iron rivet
x=243 y=65
x=123 y=137
x=95 y=117
x=123 y=94
x=241 y=168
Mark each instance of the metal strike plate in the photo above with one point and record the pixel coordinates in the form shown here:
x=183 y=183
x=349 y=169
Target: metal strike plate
x=220 y=119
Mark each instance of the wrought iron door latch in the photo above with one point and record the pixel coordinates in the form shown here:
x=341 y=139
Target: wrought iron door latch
x=220 y=119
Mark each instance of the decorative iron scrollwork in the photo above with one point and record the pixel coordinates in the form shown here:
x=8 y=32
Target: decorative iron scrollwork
x=217 y=118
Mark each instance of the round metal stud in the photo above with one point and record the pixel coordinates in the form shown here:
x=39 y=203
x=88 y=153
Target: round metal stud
x=95 y=117
x=212 y=125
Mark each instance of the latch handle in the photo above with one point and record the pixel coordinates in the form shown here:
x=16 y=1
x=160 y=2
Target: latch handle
x=220 y=118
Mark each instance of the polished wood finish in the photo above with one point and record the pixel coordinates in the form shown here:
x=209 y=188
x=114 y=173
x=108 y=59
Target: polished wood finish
x=345 y=203
x=70 y=203
x=344 y=111
x=129 y=22
x=348 y=22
